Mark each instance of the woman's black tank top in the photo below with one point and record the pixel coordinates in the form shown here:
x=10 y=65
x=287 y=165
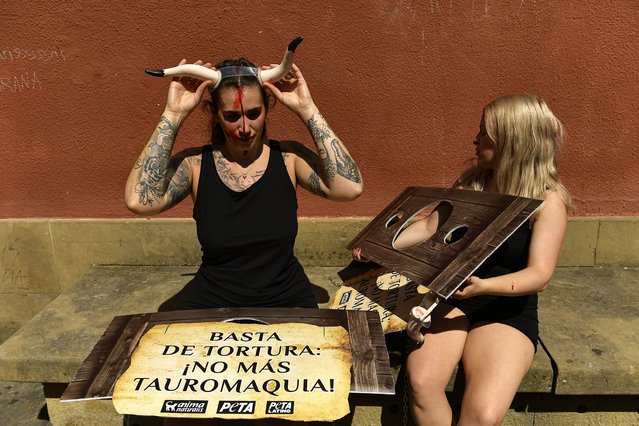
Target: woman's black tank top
x=247 y=241
x=518 y=311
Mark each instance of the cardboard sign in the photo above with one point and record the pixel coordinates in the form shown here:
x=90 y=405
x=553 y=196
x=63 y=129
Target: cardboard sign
x=388 y=293
x=293 y=371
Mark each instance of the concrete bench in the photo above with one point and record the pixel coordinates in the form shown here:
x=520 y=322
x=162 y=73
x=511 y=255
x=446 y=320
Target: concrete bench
x=588 y=325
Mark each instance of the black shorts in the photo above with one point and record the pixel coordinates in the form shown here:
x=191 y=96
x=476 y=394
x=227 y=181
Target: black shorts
x=518 y=312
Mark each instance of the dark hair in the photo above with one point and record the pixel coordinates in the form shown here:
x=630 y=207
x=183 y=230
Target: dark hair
x=241 y=81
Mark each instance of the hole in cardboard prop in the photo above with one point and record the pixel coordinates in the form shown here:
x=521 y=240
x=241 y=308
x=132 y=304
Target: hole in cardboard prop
x=394 y=219
x=456 y=234
x=246 y=320
x=422 y=225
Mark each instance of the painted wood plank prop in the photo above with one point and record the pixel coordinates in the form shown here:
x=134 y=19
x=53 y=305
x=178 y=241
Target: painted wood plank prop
x=471 y=225
x=240 y=363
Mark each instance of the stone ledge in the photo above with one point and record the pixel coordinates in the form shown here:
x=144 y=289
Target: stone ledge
x=589 y=319
x=54 y=343
x=41 y=353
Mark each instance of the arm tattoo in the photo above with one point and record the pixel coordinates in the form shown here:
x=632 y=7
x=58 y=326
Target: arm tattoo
x=329 y=166
x=319 y=131
x=196 y=160
x=154 y=164
x=346 y=167
x=314 y=184
x=180 y=185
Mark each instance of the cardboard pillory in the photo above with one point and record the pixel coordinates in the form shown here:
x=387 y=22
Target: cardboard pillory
x=477 y=223
x=296 y=364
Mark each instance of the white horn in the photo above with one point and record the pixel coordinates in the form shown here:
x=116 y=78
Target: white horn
x=280 y=71
x=189 y=70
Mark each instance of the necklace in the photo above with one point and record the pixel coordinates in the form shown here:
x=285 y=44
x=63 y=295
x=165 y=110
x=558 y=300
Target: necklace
x=244 y=172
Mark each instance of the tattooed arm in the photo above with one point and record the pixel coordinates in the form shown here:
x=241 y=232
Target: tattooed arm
x=333 y=174
x=157 y=182
x=337 y=175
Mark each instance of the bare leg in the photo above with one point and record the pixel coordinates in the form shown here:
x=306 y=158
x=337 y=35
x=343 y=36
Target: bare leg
x=430 y=366
x=496 y=358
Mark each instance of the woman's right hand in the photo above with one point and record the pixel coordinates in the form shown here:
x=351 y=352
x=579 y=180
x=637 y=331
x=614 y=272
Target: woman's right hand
x=185 y=93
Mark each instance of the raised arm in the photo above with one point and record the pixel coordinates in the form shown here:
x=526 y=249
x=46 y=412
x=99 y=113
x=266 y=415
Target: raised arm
x=334 y=174
x=158 y=181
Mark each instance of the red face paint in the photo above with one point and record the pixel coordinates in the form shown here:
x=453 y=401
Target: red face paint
x=238 y=100
x=238 y=104
x=239 y=95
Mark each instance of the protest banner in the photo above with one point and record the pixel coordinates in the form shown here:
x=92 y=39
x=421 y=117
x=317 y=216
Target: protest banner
x=236 y=363
x=232 y=370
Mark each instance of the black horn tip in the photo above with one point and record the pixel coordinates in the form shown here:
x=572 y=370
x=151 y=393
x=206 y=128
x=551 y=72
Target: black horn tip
x=155 y=73
x=293 y=45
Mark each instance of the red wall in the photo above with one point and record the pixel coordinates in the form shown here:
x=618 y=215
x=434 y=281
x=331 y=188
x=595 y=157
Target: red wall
x=402 y=82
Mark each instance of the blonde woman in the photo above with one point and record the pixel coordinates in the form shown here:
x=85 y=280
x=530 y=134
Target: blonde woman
x=491 y=324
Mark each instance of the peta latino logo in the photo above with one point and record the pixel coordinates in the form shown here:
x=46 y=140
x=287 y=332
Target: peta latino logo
x=171 y=406
x=345 y=298
x=236 y=407
x=280 y=407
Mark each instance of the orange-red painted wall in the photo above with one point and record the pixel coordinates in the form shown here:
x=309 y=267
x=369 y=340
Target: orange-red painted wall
x=402 y=82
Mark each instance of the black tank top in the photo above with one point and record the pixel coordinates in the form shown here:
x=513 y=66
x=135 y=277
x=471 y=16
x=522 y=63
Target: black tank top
x=247 y=240
x=511 y=256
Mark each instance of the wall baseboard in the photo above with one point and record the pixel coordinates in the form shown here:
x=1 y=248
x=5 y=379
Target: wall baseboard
x=43 y=257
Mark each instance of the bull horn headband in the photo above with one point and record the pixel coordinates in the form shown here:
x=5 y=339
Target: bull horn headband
x=203 y=73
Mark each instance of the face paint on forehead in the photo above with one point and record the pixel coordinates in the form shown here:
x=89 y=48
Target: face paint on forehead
x=238 y=103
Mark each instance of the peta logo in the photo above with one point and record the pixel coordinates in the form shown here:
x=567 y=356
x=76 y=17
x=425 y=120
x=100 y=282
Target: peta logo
x=172 y=406
x=279 y=407
x=236 y=407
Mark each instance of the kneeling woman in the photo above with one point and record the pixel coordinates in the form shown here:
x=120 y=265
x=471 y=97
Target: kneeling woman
x=243 y=184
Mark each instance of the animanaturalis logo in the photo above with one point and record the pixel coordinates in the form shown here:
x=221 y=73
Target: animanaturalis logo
x=173 y=406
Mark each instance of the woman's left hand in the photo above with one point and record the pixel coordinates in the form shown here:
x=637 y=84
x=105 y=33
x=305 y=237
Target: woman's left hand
x=473 y=286
x=293 y=92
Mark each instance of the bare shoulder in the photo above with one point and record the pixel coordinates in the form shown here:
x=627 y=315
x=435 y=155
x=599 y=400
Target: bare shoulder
x=553 y=208
x=553 y=198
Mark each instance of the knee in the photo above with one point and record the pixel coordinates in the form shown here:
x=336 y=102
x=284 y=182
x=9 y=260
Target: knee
x=424 y=382
x=485 y=415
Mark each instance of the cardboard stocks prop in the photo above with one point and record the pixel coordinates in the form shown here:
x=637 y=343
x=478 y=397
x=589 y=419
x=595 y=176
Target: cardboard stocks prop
x=473 y=226
x=295 y=364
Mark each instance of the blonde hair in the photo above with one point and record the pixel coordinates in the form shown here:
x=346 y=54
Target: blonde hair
x=527 y=136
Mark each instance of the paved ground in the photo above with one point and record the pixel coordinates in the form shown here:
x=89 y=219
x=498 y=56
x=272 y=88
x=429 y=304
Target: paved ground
x=22 y=404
